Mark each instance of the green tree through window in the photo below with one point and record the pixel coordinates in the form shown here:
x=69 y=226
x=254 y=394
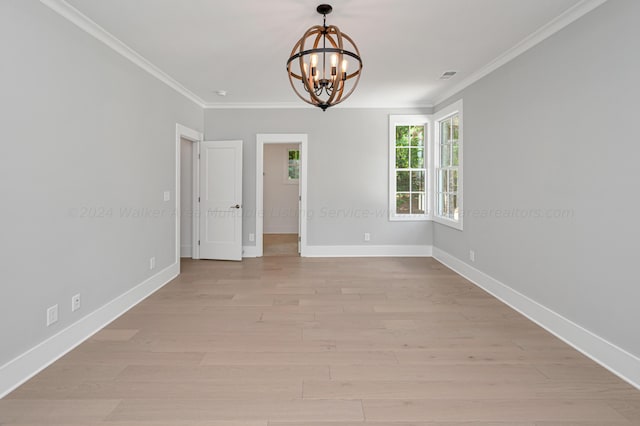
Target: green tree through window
x=410 y=171
x=293 y=165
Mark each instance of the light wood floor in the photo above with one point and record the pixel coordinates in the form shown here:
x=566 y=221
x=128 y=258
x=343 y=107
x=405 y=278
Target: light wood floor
x=288 y=341
x=280 y=244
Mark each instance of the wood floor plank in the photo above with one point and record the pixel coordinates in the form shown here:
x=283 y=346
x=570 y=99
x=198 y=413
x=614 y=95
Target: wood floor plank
x=96 y=357
x=460 y=373
x=495 y=389
x=198 y=410
x=222 y=373
x=507 y=354
x=152 y=423
x=296 y=358
x=392 y=423
x=490 y=410
x=66 y=411
x=273 y=390
x=113 y=334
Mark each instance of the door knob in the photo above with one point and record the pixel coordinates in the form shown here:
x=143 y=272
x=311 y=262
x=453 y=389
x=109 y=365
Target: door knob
x=237 y=206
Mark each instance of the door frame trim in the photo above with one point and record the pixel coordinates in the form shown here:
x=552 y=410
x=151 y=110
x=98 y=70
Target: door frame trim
x=184 y=132
x=280 y=138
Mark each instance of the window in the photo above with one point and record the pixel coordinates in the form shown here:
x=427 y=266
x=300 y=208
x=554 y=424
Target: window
x=448 y=166
x=425 y=166
x=408 y=167
x=292 y=172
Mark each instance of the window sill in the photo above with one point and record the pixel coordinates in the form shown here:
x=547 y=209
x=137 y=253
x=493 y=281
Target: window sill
x=409 y=218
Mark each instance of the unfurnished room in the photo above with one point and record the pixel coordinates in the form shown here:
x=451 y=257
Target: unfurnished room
x=296 y=213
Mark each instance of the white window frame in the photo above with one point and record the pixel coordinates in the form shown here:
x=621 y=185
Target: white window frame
x=432 y=161
x=410 y=120
x=440 y=116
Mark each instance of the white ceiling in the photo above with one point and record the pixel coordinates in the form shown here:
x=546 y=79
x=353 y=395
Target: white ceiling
x=242 y=46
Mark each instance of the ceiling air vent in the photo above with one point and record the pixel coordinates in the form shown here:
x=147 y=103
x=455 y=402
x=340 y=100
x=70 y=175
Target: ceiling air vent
x=447 y=75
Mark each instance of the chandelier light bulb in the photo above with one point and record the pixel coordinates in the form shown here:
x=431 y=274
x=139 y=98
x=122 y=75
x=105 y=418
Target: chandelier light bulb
x=334 y=66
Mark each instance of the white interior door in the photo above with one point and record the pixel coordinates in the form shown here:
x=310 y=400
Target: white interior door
x=221 y=200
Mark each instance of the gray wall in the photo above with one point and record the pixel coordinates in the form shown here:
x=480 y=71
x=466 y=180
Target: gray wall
x=85 y=133
x=280 y=196
x=556 y=129
x=347 y=170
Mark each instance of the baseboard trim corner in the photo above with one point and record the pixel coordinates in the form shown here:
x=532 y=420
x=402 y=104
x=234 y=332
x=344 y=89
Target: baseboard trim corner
x=615 y=359
x=249 y=251
x=186 y=251
x=25 y=366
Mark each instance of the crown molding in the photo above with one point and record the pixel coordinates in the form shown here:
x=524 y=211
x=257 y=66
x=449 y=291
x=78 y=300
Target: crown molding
x=257 y=105
x=76 y=17
x=303 y=105
x=567 y=17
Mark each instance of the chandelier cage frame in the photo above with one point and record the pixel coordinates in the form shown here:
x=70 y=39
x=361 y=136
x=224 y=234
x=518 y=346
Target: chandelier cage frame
x=323 y=71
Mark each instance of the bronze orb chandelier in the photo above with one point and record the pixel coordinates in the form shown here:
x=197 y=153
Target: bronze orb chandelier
x=321 y=65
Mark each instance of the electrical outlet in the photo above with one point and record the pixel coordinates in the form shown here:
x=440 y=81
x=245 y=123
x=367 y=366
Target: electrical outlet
x=472 y=255
x=52 y=315
x=75 y=302
x=152 y=263
x=167 y=195
x=367 y=236
x=252 y=237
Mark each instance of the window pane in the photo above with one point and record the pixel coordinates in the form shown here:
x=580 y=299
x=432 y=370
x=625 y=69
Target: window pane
x=446 y=209
x=402 y=135
x=402 y=181
x=445 y=158
x=440 y=202
x=454 y=207
x=417 y=203
x=456 y=121
x=453 y=181
x=454 y=159
x=445 y=131
x=294 y=170
x=417 y=181
x=402 y=203
x=417 y=135
x=417 y=158
x=442 y=180
x=402 y=158
x=293 y=166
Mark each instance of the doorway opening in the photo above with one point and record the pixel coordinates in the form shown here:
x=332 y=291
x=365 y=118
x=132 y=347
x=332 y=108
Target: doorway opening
x=281 y=179
x=186 y=192
x=281 y=194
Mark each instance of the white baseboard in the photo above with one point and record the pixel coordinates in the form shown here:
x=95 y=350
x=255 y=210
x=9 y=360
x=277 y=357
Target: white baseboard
x=249 y=251
x=186 y=251
x=367 y=251
x=22 y=368
x=615 y=359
